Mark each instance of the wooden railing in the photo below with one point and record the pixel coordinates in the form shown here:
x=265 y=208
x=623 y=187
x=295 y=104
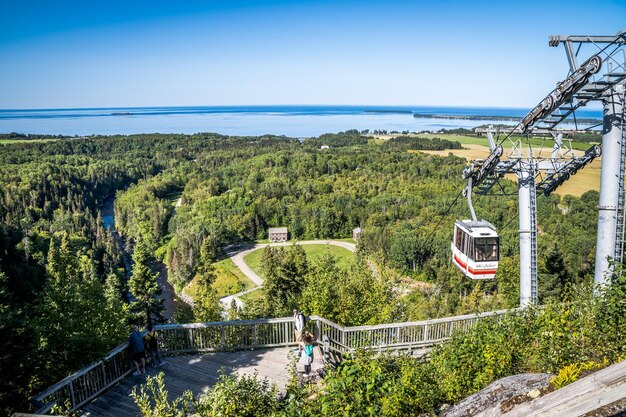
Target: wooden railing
x=89 y=382
x=409 y=336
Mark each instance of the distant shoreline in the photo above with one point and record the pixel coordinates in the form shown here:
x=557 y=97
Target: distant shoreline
x=484 y=117
x=294 y=121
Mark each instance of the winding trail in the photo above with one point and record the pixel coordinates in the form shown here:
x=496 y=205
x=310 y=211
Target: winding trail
x=237 y=259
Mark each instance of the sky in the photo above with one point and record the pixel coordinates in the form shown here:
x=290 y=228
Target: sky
x=73 y=54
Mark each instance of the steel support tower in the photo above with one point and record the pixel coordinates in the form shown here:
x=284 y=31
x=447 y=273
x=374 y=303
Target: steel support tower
x=609 y=244
x=599 y=78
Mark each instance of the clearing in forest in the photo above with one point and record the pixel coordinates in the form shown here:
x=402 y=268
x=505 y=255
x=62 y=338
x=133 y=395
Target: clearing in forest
x=313 y=252
x=228 y=280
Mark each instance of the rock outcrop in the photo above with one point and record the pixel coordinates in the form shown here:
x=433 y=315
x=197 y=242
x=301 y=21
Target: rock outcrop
x=500 y=396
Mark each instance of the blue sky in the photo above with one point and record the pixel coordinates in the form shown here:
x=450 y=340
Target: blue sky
x=119 y=54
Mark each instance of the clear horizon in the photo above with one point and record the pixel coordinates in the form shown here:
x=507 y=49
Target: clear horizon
x=591 y=107
x=269 y=53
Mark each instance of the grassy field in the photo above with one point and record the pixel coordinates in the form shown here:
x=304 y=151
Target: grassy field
x=313 y=252
x=229 y=280
x=7 y=141
x=482 y=141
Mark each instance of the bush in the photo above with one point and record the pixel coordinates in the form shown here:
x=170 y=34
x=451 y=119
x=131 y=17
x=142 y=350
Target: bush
x=571 y=373
x=239 y=396
x=152 y=399
x=470 y=362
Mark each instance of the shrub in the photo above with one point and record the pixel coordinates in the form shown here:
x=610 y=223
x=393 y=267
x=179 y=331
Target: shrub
x=571 y=373
x=239 y=396
x=152 y=399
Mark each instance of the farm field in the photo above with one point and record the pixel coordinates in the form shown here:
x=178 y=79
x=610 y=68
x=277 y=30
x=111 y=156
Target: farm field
x=585 y=180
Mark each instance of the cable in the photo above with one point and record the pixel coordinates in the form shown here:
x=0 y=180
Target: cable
x=507 y=224
x=432 y=234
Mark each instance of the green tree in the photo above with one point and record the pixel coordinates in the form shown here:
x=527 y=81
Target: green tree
x=554 y=276
x=148 y=306
x=206 y=304
x=16 y=347
x=285 y=272
x=320 y=293
x=75 y=323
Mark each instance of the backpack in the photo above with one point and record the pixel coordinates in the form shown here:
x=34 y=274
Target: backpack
x=308 y=349
x=305 y=318
x=150 y=340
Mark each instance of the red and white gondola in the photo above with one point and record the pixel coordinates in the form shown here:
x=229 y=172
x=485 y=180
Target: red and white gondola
x=476 y=248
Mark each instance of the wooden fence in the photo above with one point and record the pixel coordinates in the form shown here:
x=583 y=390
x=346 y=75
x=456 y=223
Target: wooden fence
x=175 y=339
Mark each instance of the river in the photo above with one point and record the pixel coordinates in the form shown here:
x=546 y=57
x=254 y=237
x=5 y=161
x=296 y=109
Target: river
x=167 y=291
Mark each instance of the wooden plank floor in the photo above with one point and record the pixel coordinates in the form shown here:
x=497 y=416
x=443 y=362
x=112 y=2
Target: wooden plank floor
x=195 y=372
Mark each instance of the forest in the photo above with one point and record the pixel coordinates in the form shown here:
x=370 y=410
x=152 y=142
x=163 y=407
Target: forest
x=66 y=297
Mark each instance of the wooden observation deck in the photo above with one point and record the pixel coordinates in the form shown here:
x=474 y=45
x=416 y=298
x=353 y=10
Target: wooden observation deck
x=195 y=353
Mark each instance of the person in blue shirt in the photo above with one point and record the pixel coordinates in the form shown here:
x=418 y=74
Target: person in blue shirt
x=137 y=351
x=307 y=357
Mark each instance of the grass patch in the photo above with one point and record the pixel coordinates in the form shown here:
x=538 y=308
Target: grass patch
x=347 y=240
x=229 y=280
x=8 y=141
x=313 y=252
x=252 y=296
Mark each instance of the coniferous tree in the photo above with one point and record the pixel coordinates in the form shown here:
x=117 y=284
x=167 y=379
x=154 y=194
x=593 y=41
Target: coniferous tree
x=75 y=323
x=554 y=276
x=206 y=304
x=16 y=346
x=148 y=306
x=285 y=272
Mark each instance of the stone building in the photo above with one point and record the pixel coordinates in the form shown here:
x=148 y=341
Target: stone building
x=278 y=234
x=356 y=233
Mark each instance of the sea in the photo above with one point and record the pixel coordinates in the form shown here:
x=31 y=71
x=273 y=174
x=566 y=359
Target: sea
x=294 y=121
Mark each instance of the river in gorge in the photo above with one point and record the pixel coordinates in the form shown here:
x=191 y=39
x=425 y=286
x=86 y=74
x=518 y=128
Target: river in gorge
x=167 y=291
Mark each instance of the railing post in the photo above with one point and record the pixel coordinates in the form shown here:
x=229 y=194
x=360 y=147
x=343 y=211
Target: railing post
x=426 y=335
x=255 y=335
x=104 y=375
x=285 y=334
x=72 y=397
x=223 y=337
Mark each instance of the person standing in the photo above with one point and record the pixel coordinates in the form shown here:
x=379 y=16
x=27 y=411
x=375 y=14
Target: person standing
x=152 y=344
x=298 y=318
x=137 y=351
x=307 y=357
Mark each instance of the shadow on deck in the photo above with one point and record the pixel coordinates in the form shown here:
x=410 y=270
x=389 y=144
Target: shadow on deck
x=197 y=372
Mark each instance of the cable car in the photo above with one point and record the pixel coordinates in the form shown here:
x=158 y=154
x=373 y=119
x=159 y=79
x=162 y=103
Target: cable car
x=476 y=248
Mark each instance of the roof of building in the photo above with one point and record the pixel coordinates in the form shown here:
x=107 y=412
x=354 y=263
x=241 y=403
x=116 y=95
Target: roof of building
x=277 y=230
x=357 y=230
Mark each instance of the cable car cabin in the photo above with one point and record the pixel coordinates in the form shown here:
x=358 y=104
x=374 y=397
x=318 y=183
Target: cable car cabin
x=476 y=249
